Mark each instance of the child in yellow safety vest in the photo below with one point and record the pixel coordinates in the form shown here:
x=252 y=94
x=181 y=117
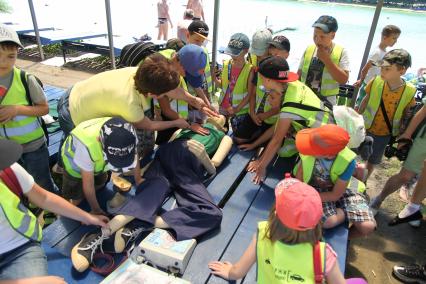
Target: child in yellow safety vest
x=328 y=165
x=22 y=103
x=287 y=247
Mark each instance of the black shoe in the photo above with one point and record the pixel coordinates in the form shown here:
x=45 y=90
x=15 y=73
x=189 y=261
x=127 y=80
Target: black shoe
x=129 y=233
x=410 y=273
x=82 y=253
x=413 y=217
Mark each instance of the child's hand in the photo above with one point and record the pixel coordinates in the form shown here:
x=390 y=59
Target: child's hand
x=195 y=127
x=357 y=83
x=246 y=147
x=8 y=113
x=221 y=268
x=255 y=119
x=97 y=220
x=323 y=53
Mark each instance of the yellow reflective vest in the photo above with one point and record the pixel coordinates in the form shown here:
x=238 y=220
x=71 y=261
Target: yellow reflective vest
x=20 y=218
x=329 y=86
x=22 y=128
x=87 y=133
x=278 y=262
x=374 y=104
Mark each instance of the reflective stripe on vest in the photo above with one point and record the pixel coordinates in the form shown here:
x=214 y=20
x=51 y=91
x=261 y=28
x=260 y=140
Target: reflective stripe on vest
x=240 y=90
x=373 y=104
x=20 y=218
x=22 y=128
x=329 y=86
x=278 y=262
x=88 y=134
x=288 y=149
x=339 y=166
x=207 y=73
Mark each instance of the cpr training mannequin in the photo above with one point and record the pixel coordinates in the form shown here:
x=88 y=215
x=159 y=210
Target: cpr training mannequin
x=178 y=168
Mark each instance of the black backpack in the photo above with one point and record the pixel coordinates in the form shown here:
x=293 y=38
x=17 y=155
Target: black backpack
x=133 y=54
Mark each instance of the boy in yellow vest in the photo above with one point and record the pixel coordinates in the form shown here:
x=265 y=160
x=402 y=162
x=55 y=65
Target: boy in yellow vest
x=328 y=165
x=287 y=247
x=20 y=118
x=388 y=99
x=21 y=255
x=92 y=149
x=325 y=64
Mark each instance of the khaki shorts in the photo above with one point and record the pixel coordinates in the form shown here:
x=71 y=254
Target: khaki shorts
x=417 y=154
x=72 y=187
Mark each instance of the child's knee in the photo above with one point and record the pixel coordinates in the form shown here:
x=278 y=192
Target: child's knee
x=334 y=220
x=365 y=228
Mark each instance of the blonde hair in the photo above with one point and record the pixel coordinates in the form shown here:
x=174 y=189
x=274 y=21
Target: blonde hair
x=277 y=231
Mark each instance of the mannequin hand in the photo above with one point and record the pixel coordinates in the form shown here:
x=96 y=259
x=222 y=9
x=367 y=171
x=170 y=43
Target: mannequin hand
x=221 y=268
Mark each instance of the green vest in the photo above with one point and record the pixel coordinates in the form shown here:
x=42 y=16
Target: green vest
x=87 y=133
x=329 y=86
x=374 y=104
x=22 y=128
x=20 y=218
x=179 y=106
x=297 y=92
x=339 y=166
x=240 y=89
x=207 y=73
x=278 y=262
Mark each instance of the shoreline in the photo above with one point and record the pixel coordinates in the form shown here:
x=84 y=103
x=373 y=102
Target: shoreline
x=406 y=10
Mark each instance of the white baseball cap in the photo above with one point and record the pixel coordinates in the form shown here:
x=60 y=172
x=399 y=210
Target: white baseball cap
x=7 y=34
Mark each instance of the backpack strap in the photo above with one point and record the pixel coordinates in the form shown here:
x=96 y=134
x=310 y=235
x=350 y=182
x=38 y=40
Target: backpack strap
x=319 y=274
x=11 y=181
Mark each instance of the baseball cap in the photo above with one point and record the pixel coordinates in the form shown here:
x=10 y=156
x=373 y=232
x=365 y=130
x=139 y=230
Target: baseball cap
x=260 y=42
x=200 y=28
x=237 y=44
x=395 y=56
x=280 y=42
x=327 y=140
x=276 y=68
x=297 y=204
x=326 y=23
x=193 y=59
x=10 y=153
x=119 y=143
x=7 y=34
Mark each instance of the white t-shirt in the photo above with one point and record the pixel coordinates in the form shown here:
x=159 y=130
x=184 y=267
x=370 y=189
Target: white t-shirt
x=9 y=238
x=375 y=56
x=82 y=157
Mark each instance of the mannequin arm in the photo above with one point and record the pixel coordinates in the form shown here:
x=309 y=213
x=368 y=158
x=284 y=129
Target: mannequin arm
x=200 y=152
x=222 y=151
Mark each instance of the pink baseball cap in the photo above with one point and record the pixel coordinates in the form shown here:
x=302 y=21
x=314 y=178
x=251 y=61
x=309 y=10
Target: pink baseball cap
x=297 y=204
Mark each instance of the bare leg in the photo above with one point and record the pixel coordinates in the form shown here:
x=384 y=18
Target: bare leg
x=420 y=190
x=335 y=220
x=361 y=229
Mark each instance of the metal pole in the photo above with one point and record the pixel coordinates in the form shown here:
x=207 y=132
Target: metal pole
x=215 y=33
x=37 y=34
x=110 y=35
x=369 y=42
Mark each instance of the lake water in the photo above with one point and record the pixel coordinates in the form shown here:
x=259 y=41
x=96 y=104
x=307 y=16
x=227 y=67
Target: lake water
x=137 y=17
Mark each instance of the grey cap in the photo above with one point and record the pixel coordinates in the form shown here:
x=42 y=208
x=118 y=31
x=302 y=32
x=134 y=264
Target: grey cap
x=396 y=56
x=260 y=42
x=237 y=43
x=8 y=34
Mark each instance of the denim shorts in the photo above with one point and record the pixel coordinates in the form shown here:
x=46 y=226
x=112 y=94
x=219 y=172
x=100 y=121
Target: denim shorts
x=379 y=146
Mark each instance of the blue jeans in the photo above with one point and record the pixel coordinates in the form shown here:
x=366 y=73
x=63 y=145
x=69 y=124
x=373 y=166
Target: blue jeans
x=25 y=261
x=37 y=164
x=65 y=121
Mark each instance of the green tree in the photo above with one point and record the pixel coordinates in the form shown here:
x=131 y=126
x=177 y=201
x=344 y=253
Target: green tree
x=5 y=7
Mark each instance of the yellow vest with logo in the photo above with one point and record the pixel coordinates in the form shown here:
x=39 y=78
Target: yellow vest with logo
x=87 y=133
x=240 y=89
x=374 y=104
x=329 y=86
x=22 y=128
x=20 y=218
x=179 y=106
x=339 y=166
x=278 y=262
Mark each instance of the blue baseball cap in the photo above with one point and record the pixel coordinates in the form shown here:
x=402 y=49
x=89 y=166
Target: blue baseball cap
x=193 y=59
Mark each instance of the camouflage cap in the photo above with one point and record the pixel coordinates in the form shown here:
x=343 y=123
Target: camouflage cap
x=397 y=56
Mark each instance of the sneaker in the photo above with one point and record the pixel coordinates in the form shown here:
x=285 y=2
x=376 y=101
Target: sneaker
x=375 y=205
x=417 y=216
x=82 y=253
x=410 y=273
x=129 y=233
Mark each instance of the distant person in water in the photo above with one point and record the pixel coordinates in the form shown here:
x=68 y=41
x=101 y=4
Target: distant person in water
x=182 y=26
x=197 y=7
x=163 y=18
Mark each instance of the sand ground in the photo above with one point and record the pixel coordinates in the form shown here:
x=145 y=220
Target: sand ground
x=372 y=257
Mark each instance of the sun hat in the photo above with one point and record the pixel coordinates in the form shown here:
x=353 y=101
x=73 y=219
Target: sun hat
x=280 y=42
x=327 y=140
x=326 y=23
x=237 y=44
x=119 y=143
x=10 y=152
x=297 y=204
x=7 y=34
x=193 y=59
x=260 y=42
x=200 y=28
x=276 y=68
x=396 y=56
